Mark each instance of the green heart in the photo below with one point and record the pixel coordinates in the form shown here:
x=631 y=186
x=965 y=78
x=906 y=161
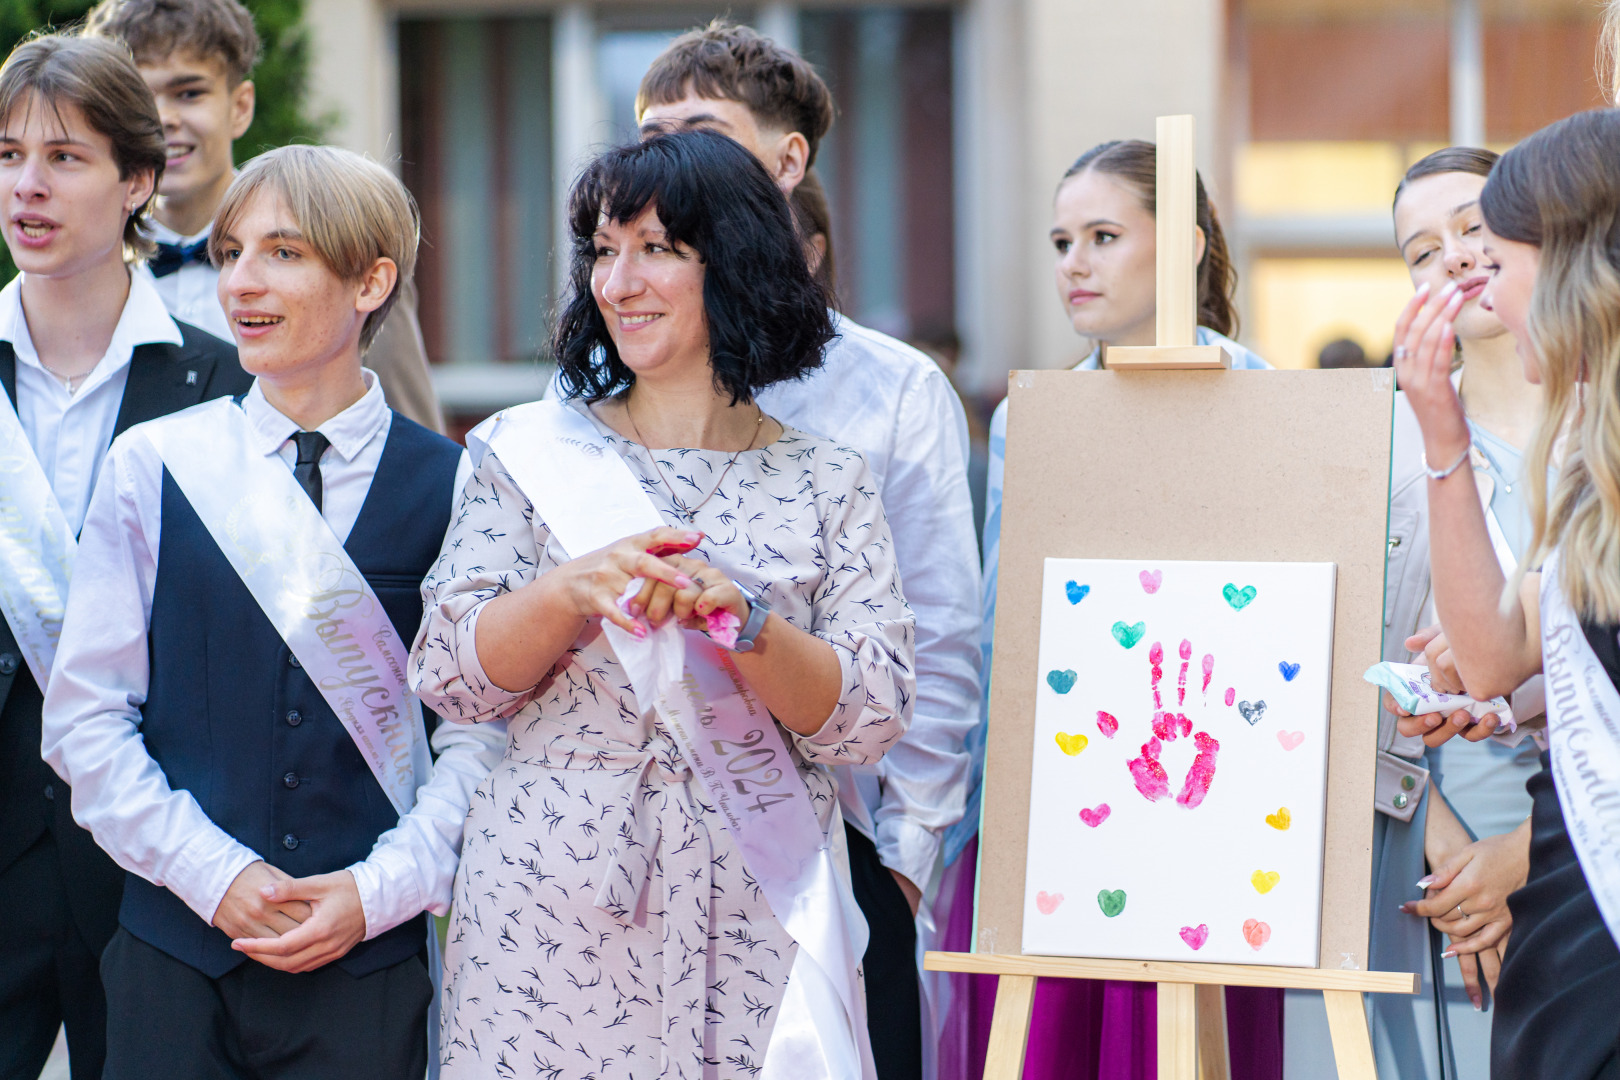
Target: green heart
x=1129 y=635
x=1112 y=903
x=1239 y=598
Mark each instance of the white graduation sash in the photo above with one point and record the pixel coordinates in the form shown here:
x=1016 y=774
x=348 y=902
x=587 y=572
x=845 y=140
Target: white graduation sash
x=589 y=499
x=309 y=588
x=36 y=548
x=1583 y=725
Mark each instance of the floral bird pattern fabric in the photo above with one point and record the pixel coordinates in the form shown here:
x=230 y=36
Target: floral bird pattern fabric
x=604 y=923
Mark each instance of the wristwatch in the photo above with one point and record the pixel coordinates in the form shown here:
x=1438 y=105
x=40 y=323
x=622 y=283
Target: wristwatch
x=758 y=612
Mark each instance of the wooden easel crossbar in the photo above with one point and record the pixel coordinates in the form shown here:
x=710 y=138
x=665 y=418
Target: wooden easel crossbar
x=1192 y=1006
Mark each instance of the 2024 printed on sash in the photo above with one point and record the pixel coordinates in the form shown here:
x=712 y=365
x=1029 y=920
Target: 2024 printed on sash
x=1180 y=765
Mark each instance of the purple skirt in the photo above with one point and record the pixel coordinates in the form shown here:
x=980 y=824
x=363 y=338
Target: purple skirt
x=1083 y=1029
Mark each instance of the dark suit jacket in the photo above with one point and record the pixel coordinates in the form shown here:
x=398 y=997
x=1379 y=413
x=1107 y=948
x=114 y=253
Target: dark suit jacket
x=33 y=800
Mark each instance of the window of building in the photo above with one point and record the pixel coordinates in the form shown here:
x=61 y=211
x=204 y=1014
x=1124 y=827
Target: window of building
x=1333 y=100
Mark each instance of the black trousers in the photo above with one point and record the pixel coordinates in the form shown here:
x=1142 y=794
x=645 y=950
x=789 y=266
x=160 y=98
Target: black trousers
x=893 y=995
x=48 y=972
x=168 y=1021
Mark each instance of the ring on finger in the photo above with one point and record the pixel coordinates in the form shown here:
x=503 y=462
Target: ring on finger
x=1400 y=352
x=1461 y=912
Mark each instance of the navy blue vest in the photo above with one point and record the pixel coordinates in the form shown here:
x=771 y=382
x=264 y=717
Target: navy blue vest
x=233 y=719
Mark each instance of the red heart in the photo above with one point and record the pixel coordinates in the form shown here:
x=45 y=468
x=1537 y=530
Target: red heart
x=1256 y=933
x=1095 y=817
x=1107 y=724
x=1195 y=936
x=1048 y=902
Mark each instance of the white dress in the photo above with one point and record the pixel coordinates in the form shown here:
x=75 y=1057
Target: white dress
x=604 y=922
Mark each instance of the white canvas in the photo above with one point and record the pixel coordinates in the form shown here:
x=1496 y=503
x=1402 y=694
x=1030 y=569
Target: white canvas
x=1135 y=859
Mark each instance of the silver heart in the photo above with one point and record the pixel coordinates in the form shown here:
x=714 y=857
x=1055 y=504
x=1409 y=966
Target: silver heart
x=1252 y=712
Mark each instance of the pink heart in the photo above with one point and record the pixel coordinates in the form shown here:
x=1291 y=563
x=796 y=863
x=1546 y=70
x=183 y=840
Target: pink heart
x=1256 y=933
x=1290 y=739
x=1095 y=817
x=1195 y=936
x=1048 y=902
x=1107 y=723
x=1151 y=580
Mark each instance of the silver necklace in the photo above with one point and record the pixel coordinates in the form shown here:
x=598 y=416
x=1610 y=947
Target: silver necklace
x=681 y=507
x=65 y=380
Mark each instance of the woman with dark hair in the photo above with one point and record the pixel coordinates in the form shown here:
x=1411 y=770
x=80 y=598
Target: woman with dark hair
x=1552 y=214
x=1104 y=233
x=688 y=612
x=1455 y=817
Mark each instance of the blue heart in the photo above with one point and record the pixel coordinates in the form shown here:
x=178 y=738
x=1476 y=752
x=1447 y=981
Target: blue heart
x=1062 y=681
x=1288 y=670
x=1076 y=592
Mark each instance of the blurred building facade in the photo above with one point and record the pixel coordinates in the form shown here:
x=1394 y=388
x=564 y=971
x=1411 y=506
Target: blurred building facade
x=955 y=121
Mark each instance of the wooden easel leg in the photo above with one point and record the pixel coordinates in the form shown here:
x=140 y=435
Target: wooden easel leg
x=1352 y=1043
x=1009 y=1029
x=1178 y=1031
x=1213 y=1061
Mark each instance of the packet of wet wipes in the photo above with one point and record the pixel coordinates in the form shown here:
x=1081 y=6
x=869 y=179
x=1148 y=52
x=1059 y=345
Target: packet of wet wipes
x=1409 y=685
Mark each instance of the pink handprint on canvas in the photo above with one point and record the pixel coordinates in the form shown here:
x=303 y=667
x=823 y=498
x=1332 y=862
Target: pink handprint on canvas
x=1149 y=774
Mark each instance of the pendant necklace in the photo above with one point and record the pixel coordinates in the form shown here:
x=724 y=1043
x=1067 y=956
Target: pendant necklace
x=682 y=508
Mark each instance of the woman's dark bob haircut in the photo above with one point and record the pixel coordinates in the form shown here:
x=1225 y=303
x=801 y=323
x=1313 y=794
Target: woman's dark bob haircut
x=767 y=317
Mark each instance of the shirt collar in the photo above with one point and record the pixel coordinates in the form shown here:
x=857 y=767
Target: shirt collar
x=143 y=321
x=349 y=431
x=165 y=235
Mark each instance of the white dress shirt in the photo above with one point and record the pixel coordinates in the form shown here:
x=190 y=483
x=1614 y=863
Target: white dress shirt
x=191 y=293
x=70 y=433
x=893 y=404
x=92 y=718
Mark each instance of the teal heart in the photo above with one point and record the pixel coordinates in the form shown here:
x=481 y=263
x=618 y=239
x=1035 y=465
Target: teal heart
x=1239 y=598
x=1112 y=903
x=1061 y=681
x=1128 y=636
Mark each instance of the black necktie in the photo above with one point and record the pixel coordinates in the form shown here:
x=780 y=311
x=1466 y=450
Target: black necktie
x=311 y=445
x=171 y=257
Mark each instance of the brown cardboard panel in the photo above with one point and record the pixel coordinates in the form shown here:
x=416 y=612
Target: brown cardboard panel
x=1243 y=465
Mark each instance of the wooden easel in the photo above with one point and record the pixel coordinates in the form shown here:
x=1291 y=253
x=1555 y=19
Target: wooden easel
x=1191 y=1003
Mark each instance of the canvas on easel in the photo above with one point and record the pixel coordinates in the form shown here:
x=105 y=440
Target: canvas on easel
x=1168 y=461
x=1179 y=773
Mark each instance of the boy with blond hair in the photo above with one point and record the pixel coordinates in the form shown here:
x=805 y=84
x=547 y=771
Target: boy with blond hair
x=86 y=350
x=197 y=56
x=229 y=698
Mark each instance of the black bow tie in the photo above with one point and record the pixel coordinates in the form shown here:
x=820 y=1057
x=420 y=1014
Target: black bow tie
x=171 y=257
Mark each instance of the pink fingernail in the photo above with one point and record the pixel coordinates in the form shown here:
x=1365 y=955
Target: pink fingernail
x=682 y=581
x=693 y=537
x=1447 y=955
x=1425 y=882
x=638 y=631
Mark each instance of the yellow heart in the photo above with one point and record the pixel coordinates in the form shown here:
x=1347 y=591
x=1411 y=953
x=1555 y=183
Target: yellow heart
x=1264 y=881
x=1071 y=744
x=1281 y=819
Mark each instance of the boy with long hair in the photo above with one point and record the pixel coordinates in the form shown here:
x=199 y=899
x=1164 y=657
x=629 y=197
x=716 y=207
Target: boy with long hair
x=86 y=350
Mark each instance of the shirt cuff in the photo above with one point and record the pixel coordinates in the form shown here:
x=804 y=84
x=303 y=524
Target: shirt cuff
x=389 y=893
x=204 y=870
x=909 y=849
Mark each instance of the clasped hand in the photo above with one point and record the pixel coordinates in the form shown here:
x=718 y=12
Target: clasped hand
x=675 y=584
x=292 y=924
